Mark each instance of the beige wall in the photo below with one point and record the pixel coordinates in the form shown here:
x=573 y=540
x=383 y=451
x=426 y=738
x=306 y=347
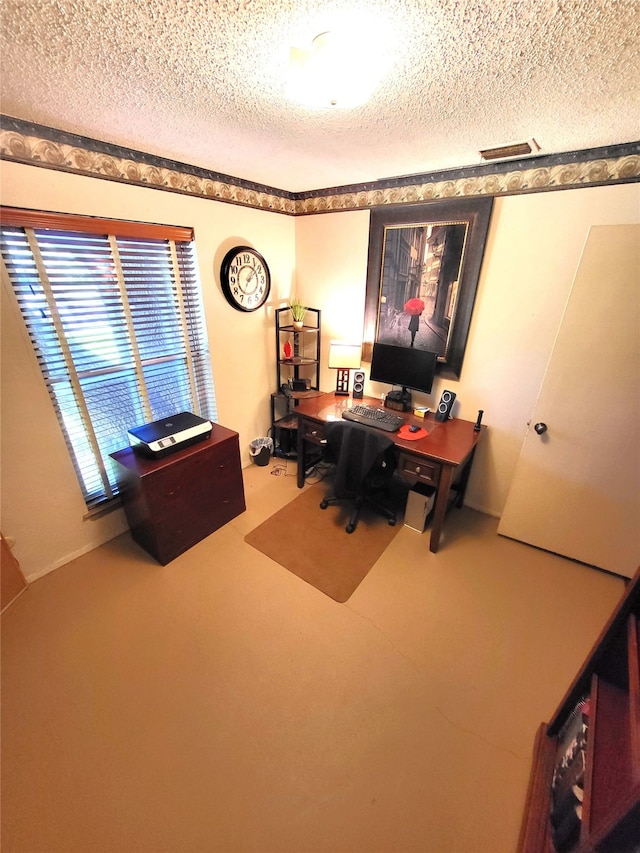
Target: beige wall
x=42 y=507
x=532 y=253
x=534 y=246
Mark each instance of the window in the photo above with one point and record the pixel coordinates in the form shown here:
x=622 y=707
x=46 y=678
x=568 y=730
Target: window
x=114 y=312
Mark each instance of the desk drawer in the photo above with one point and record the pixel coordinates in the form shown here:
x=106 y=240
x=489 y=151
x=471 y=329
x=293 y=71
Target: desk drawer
x=312 y=431
x=417 y=470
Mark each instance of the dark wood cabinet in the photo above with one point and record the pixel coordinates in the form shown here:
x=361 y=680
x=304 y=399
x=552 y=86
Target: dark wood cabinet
x=610 y=809
x=174 y=502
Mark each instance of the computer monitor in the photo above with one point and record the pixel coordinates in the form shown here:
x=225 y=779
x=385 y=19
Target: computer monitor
x=408 y=367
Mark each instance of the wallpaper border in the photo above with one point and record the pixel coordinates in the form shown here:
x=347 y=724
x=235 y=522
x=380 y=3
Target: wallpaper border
x=48 y=148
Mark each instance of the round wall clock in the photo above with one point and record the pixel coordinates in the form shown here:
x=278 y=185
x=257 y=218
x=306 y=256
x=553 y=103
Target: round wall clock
x=245 y=278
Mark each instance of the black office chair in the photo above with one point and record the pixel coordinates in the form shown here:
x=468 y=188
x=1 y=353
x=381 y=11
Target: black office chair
x=365 y=463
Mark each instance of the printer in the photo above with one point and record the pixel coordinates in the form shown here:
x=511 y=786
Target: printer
x=167 y=435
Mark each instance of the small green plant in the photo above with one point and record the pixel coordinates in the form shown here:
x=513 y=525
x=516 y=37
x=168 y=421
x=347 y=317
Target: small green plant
x=298 y=310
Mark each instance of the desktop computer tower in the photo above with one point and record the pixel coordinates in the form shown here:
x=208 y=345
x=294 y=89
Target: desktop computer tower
x=420 y=500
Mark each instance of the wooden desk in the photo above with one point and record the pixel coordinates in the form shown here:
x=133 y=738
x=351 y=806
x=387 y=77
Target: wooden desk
x=173 y=502
x=441 y=460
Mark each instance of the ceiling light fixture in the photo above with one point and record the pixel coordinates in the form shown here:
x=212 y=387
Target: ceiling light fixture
x=516 y=149
x=331 y=74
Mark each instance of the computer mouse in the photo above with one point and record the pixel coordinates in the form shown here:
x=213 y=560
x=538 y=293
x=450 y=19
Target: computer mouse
x=413 y=428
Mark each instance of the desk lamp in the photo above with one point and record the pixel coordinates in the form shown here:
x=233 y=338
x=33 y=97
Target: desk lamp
x=344 y=356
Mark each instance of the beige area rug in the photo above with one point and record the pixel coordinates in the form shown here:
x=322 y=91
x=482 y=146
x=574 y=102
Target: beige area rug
x=313 y=544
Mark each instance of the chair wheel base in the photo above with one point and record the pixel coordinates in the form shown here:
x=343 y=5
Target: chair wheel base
x=350 y=528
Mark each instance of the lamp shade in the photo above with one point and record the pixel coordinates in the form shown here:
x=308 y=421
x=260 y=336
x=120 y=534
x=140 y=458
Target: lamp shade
x=344 y=354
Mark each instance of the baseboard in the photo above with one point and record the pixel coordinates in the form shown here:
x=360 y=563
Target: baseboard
x=484 y=510
x=66 y=559
x=14 y=582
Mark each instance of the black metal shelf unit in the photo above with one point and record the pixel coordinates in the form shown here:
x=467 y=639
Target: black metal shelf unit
x=298 y=371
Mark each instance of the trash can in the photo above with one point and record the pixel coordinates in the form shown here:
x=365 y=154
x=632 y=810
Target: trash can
x=260 y=450
x=420 y=502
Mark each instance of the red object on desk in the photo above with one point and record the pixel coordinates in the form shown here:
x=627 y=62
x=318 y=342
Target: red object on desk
x=404 y=433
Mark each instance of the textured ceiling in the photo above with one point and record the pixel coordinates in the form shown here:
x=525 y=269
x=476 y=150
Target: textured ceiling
x=203 y=81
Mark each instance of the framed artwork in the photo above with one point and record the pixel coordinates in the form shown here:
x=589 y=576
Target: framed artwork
x=422 y=277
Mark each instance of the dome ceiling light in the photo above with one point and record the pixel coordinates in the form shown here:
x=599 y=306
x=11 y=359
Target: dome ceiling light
x=331 y=73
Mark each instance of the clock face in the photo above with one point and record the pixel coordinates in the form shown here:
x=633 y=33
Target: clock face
x=245 y=278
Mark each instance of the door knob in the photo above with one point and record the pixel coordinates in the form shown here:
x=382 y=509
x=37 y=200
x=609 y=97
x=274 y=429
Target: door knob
x=540 y=428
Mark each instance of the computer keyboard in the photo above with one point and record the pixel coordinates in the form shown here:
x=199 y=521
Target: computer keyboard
x=374 y=417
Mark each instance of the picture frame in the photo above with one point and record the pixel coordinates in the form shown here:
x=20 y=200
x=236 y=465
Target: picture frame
x=430 y=255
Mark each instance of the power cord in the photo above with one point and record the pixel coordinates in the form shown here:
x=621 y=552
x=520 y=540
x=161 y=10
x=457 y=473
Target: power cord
x=319 y=471
x=315 y=475
x=280 y=469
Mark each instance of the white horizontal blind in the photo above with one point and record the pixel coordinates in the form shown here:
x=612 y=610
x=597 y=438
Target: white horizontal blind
x=118 y=329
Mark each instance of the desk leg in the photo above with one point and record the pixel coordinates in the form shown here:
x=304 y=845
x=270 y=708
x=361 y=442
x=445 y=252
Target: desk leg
x=440 y=509
x=464 y=479
x=302 y=462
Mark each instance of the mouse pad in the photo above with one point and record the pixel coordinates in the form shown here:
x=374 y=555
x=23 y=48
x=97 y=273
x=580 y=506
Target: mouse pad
x=404 y=433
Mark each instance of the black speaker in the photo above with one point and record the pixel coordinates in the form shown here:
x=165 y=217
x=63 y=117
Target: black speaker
x=358 y=384
x=445 y=405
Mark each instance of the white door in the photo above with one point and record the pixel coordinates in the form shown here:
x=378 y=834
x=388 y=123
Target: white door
x=576 y=490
